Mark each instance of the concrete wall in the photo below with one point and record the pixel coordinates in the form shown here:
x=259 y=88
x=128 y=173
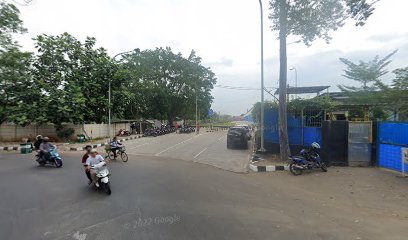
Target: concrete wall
x=11 y=132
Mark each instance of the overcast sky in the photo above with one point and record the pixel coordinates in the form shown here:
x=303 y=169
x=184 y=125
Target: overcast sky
x=226 y=34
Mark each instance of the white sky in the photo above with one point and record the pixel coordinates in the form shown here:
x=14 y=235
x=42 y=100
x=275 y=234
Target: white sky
x=226 y=34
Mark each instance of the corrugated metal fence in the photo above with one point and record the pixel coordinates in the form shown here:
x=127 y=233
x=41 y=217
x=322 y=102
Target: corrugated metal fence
x=303 y=129
x=392 y=136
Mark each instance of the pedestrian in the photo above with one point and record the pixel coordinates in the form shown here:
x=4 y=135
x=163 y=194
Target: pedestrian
x=177 y=127
x=198 y=128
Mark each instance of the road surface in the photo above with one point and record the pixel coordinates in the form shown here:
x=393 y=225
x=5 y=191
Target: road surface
x=158 y=195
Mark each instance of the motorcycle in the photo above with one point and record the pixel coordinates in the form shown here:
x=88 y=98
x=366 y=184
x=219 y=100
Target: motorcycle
x=102 y=174
x=54 y=159
x=308 y=160
x=124 y=133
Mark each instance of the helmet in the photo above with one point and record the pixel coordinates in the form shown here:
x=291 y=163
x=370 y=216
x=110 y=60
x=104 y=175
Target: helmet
x=46 y=139
x=315 y=145
x=39 y=137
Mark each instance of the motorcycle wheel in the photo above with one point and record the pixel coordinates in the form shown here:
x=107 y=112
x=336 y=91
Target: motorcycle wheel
x=295 y=171
x=58 y=163
x=124 y=157
x=107 y=189
x=323 y=166
x=111 y=156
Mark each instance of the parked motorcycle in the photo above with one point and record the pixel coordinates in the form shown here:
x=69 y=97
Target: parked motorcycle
x=124 y=133
x=309 y=159
x=102 y=174
x=54 y=159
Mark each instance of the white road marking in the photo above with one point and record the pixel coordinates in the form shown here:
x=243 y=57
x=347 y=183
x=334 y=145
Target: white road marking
x=219 y=139
x=142 y=145
x=165 y=150
x=198 y=154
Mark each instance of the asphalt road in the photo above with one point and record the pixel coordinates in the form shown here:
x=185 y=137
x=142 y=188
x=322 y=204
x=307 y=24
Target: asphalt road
x=160 y=197
x=207 y=148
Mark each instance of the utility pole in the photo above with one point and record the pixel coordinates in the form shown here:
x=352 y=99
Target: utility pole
x=262 y=149
x=109 y=94
x=196 y=114
x=296 y=76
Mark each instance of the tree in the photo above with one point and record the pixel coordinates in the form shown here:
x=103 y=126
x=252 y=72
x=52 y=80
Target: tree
x=395 y=96
x=73 y=78
x=365 y=72
x=17 y=89
x=16 y=86
x=10 y=23
x=309 y=20
x=169 y=83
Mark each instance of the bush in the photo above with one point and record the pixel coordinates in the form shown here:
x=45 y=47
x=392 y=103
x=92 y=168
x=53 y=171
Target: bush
x=65 y=133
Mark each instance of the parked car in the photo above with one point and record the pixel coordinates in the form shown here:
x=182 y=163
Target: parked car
x=247 y=129
x=237 y=137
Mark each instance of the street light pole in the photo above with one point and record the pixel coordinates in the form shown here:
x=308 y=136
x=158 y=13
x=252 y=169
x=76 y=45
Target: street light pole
x=262 y=149
x=296 y=76
x=196 y=114
x=110 y=93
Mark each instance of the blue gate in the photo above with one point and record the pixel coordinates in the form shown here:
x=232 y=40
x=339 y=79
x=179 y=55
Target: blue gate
x=392 y=136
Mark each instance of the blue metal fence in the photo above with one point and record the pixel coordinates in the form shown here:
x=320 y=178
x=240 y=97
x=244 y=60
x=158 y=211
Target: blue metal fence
x=392 y=136
x=298 y=133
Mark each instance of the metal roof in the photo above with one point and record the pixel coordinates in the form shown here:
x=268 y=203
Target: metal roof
x=303 y=90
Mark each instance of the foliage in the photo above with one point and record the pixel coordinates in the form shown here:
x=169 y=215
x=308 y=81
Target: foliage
x=169 y=83
x=395 y=96
x=65 y=133
x=16 y=86
x=10 y=23
x=256 y=110
x=366 y=72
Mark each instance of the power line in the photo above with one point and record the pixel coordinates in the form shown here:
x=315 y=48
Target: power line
x=241 y=88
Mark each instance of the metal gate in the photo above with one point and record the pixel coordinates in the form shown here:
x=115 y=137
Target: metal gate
x=335 y=142
x=360 y=144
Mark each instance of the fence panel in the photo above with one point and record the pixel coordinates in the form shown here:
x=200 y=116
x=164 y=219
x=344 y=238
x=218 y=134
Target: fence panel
x=359 y=144
x=392 y=136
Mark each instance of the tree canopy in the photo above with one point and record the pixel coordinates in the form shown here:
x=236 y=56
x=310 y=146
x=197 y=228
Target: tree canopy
x=67 y=80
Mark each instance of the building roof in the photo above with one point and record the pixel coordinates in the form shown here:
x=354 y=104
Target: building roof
x=303 y=90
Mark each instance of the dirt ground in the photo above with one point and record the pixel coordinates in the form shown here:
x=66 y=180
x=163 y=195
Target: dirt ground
x=370 y=201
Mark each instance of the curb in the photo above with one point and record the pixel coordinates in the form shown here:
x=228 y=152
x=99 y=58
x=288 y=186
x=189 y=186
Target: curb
x=73 y=149
x=17 y=148
x=269 y=168
x=13 y=148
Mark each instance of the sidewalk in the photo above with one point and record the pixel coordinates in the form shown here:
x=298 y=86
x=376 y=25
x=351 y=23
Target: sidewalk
x=69 y=146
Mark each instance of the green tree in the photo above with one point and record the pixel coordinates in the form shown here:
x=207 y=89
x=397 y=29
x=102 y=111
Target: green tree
x=365 y=72
x=16 y=85
x=309 y=20
x=17 y=89
x=394 y=97
x=73 y=78
x=165 y=84
x=10 y=23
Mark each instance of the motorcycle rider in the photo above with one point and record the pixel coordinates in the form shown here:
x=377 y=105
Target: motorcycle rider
x=88 y=149
x=38 y=142
x=115 y=145
x=45 y=148
x=93 y=159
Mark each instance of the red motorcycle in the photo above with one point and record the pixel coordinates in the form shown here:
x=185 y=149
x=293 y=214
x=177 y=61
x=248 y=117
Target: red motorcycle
x=123 y=133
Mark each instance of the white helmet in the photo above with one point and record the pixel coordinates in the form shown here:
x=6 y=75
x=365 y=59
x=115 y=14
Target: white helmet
x=39 y=137
x=315 y=145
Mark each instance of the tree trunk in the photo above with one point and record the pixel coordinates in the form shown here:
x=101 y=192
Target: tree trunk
x=283 y=123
